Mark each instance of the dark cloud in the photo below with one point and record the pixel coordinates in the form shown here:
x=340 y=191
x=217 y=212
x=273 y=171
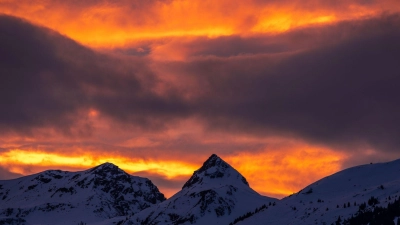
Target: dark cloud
x=48 y=79
x=342 y=93
x=335 y=85
x=299 y=39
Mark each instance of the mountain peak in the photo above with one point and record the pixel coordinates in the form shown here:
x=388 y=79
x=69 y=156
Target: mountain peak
x=93 y=195
x=214 y=168
x=213 y=161
x=216 y=194
x=107 y=167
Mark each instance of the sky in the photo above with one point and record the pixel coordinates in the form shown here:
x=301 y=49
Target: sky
x=286 y=92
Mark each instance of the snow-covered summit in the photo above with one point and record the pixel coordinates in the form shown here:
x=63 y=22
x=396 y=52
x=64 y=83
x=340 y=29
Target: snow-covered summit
x=215 y=194
x=106 y=166
x=213 y=171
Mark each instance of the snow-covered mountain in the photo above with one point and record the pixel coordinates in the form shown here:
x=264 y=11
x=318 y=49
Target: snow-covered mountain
x=215 y=194
x=60 y=197
x=343 y=195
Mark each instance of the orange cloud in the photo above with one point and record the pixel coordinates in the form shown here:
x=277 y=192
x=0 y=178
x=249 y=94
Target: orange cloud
x=281 y=173
x=114 y=24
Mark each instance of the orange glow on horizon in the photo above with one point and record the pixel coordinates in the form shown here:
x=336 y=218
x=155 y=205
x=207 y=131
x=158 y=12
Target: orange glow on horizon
x=16 y=159
x=278 y=174
x=267 y=172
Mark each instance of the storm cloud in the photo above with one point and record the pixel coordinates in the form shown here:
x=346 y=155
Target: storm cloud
x=48 y=80
x=342 y=91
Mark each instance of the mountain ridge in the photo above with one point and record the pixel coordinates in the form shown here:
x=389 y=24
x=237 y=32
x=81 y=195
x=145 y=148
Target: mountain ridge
x=343 y=195
x=96 y=194
x=216 y=193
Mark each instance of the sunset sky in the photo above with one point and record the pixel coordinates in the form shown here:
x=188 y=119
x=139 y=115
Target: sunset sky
x=287 y=92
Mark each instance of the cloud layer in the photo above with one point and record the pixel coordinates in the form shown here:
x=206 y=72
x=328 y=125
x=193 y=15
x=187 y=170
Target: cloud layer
x=331 y=88
x=121 y=23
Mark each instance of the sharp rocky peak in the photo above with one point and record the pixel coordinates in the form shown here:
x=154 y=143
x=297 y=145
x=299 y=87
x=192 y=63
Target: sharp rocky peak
x=213 y=168
x=213 y=161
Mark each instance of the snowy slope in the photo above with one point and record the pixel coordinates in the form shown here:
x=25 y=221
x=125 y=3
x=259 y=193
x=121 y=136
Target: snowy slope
x=215 y=194
x=337 y=195
x=60 y=197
